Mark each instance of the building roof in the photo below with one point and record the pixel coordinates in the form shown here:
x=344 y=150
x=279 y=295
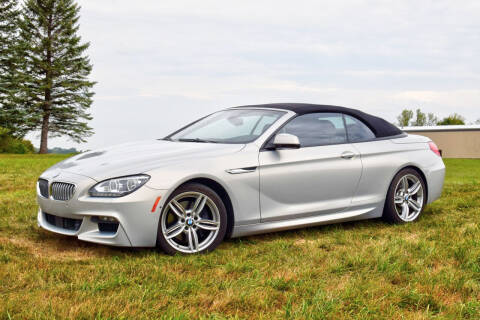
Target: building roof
x=379 y=126
x=442 y=128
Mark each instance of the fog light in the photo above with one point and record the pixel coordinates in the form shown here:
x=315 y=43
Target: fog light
x=106 y=224
x=104 y=219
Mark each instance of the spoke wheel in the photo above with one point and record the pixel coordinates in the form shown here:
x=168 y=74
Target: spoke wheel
x=406 y=197
x=191 y=221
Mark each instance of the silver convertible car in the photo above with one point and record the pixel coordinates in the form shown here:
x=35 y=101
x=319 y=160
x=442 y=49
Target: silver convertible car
x=242 y=171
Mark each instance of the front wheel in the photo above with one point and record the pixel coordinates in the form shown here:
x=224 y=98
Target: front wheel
x=406 y=197
x=194 y=219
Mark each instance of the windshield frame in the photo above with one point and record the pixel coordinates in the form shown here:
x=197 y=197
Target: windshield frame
x=281 y=115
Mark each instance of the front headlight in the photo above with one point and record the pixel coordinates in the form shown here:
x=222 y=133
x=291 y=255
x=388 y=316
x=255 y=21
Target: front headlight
x=118 y=187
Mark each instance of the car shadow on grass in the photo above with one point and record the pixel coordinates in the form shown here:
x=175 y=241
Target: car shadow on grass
x=314 y=232
x=51 y=245
x=56 y=246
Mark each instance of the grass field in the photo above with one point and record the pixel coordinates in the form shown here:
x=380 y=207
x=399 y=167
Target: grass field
x=361 y=270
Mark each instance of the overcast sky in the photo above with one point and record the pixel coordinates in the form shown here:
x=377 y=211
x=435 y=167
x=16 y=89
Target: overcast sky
x=162 y=64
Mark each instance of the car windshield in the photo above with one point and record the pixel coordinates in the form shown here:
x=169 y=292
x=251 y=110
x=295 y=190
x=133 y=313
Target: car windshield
x=229 y=126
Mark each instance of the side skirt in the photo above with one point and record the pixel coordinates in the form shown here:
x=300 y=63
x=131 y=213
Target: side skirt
x=344 y=216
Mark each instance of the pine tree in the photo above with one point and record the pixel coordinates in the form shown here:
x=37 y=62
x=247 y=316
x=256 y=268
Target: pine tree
x=56 y=70
x=12 y=112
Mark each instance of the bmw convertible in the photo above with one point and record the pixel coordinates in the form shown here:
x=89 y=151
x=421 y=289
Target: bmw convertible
x=242 y=171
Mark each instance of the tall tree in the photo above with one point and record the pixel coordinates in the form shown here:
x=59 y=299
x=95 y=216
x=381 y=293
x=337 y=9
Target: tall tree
x=432 y=120
x=421 y=119
x=453 y=119
x=56 y=70
x=405 y=117
x=12 y=111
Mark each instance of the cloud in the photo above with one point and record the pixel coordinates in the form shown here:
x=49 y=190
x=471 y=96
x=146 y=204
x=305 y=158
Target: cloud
x=161 y=64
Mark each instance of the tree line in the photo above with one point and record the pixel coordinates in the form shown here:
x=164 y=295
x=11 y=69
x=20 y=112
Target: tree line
x=410 y=118
x=44 y=71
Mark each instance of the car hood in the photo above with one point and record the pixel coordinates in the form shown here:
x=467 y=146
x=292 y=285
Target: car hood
x=138 y=157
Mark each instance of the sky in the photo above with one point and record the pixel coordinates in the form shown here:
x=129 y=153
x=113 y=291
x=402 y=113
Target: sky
x=162 y=64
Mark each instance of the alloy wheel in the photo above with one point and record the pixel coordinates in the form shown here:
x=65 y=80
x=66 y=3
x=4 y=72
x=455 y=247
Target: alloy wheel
x=190 y=222
x=408 y=197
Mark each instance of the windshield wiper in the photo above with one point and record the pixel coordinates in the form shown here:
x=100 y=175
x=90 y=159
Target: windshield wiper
x=196 y=140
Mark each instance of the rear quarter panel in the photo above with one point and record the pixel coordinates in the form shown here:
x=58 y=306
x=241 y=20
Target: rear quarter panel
x=383 y=159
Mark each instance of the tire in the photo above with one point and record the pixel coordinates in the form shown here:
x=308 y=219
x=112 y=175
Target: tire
x=193 y=220
x=401 y=207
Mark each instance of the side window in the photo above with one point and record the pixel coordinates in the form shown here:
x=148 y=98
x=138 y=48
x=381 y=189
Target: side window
x=317 y=129
x=357 y=130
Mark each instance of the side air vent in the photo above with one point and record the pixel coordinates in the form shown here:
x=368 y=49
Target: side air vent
x=62 y=191
x=43 y=187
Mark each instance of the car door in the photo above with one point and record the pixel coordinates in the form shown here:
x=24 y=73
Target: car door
x=318 y=178
x=381 y=160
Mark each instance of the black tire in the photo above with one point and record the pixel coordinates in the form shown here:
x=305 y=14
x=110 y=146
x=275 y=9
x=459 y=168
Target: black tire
x=391 y=210
x=222 y=212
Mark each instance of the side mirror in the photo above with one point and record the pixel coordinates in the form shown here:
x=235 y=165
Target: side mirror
x=286 y=140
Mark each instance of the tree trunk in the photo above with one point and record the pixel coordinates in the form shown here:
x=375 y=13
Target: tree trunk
x=46 y=115
x=48 y=94
x=44 y=136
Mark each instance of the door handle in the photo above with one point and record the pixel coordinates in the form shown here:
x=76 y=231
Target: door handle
x=348 y=155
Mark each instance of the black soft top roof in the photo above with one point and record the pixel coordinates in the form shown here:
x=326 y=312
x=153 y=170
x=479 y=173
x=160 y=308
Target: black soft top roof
x=379 y=126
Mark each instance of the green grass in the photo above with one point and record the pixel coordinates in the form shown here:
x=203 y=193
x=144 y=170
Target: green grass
x=369 y=269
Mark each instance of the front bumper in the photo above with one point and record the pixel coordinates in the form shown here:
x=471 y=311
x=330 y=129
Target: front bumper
x=137 y=224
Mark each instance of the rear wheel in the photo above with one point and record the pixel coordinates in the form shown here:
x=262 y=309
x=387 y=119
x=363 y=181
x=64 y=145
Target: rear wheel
x=194 y=219
x=406 y=197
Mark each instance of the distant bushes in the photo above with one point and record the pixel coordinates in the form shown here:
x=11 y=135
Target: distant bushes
x=58 y=150
x=9 y=144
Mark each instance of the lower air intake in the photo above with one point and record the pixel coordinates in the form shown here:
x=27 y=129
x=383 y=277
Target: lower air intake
x=64 y=223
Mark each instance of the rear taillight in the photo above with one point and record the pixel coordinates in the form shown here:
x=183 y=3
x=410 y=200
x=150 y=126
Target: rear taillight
x=434 y=148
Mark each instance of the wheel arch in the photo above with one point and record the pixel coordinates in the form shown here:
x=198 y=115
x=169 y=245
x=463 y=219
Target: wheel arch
x=222 y=193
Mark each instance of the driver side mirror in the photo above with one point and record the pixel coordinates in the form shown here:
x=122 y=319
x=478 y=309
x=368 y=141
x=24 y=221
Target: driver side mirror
x=286 y=140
